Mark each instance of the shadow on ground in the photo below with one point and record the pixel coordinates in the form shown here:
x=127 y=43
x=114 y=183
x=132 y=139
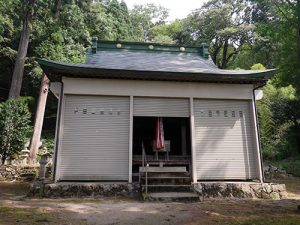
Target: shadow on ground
x=17 y=209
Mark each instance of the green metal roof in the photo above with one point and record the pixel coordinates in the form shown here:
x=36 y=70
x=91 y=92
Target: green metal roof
x=55 y=70
x=150 y=61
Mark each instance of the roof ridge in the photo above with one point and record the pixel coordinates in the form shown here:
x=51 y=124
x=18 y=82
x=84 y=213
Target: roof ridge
x=98 y=45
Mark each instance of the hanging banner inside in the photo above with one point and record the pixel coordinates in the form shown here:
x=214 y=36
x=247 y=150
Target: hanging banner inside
x=159 y=136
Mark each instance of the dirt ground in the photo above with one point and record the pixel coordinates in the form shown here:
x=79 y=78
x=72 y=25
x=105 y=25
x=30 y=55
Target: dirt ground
x=15 y=208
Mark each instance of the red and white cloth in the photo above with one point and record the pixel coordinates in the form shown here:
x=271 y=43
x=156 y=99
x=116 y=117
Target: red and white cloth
x=159 y=134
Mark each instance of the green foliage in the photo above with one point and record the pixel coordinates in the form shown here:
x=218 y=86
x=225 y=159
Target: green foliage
x=277 y=25
x=225 y=25
x=258 y=66
x=278 y=123
x=145 y=17
x=14 y=127
x=163 y=39
x=48 y=143
x=174 y=31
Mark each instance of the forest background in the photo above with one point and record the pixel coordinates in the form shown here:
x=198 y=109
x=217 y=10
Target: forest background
x=242 y=34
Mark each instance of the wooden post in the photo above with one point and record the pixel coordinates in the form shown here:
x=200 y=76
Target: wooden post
x=183 y=138
x=39 y=119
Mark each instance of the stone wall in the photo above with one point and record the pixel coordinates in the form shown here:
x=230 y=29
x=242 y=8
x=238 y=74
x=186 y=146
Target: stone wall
x=219 y=190
x=241 y=190
x=63 y=190
x=20 y=173
x=271 y=172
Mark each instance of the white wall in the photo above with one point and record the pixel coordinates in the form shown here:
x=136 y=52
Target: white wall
x=114 y=87
x=85 y=86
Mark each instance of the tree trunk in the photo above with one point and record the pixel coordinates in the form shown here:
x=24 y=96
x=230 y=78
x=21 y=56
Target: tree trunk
x=17 y=78
x=298 y=28
x=3 y=159
x=58 y=7
x=224 y=55
x=39 y=119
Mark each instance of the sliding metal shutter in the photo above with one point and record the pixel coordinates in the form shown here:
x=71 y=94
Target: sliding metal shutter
x=224 y=140
x=163 y=107
x=95 y=138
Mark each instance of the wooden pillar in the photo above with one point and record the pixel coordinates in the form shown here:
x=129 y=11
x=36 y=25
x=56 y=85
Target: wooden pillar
x=39 y=119
x=183 y=137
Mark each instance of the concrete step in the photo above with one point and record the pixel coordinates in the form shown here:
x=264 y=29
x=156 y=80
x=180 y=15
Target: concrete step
x=166 y=180
x=166 y=174
x=154 y=188
x=157 y=169
x=173 y=197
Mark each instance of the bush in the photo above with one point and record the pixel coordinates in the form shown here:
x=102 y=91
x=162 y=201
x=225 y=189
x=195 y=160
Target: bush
x=14 y=127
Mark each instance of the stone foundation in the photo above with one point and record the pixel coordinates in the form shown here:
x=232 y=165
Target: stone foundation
x=218 y=190
x=68 y=189
x=241 y=190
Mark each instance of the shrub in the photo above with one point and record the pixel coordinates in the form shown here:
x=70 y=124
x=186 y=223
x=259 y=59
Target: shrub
x=14 y=127
x=48 y=143
x=279 y=117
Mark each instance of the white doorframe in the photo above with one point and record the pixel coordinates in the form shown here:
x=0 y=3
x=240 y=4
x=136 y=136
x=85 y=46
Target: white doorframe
x=60 y=135
x=257 y=145
x=130 y=138
x=192 y=124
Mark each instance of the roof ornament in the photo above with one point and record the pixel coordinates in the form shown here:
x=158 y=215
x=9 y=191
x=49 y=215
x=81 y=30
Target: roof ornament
x=182 y=49
x=151 y=47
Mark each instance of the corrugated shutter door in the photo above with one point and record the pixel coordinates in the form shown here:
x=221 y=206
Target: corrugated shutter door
x=224 y=140
x=163 y=107
x=95 y=138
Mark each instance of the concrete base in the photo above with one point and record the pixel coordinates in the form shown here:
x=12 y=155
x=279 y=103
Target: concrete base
x=240 y=190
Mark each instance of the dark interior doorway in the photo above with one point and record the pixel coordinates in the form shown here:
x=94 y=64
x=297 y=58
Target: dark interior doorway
x=176 y=130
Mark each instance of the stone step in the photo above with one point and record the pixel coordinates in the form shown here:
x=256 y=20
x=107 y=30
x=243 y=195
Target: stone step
x=166 y=180
x=173 y=197
x=27 y=174
x=153 y=188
